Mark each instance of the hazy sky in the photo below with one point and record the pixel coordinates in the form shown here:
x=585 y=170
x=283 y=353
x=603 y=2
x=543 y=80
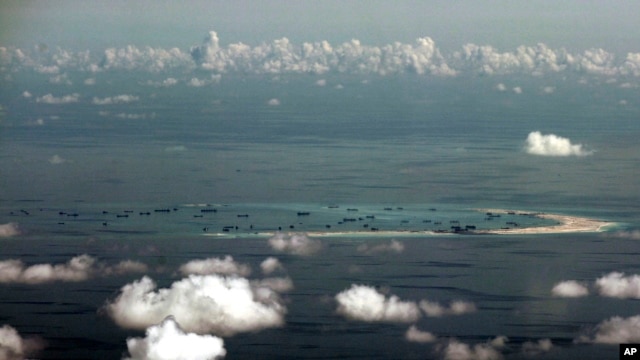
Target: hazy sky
x=95 y=25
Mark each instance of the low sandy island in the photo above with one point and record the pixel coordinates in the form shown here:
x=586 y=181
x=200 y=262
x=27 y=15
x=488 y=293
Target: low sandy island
x=566 y=224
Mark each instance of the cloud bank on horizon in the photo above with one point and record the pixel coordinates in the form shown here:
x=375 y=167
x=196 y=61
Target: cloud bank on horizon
x=281 y=56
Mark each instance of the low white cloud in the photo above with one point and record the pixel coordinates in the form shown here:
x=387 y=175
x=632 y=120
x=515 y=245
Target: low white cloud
x=210 y=266
x=615 y=330
x=552 y=145
x=321 y=82
x=277 y=284
x=365 y=303
x=517 y=90
x=273 y=102
x=118 y=99
x=9 y=229
x=79 y=268
x=26 y=94
x=203 y=304
x=501 y=87
x=90 y=81
x=531 y=348
x=296 y=244
x=394 y=246
x=414 y=334
x=66 y=99
x=570 y=288
x=617 y=285
x=271 y=265
x=456 y=350
x=167 y=341
x=15 y=347
x=457 y=307
x=57 y=160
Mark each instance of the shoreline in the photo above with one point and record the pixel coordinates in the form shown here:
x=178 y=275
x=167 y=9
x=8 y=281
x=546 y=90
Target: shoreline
x=566 y=224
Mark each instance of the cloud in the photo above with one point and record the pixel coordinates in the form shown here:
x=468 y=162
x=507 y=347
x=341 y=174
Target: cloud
x=617 y=285
x=79 y=268
x=203 y=304
x=517 y=90
x=570 y=288
x=271 y=265
x=277 y=284
x=296 y=244
x=26 y=94
x=225 y=266
x=394 y=246
x=531 y=348
x=616 y=330
x=413 y=334
x=167 y=341
x=15 y=347
x=614 y=284
x=552 y=145
x=9 y=229
x=457 y=307
x=118 y=99
x=364 y=303
x=57 y=160
x=273 y=102
x=67 y=99
x=456 y=350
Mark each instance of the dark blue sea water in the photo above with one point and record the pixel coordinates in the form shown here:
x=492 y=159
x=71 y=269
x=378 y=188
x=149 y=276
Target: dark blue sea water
x=406 y=152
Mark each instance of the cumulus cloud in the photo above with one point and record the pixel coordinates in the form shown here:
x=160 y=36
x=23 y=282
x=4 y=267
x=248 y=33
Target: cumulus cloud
x=273 y=102
x=15 y=347
x=457 y=307
x=57 y=160
x=617 y=285
x=203 y=304
x=167 y=341
x=570 y=288
x=118 y=99
x=66 y=99
x=414 y=334
x=394 y=246
x=614 y=284
x=365 y=303
x=277 y=284
x=79 y=268
x=26 y=94
x=271 y=265
x=296 y=244
x=615 y=330
x=281 y=56
x=531 y=348
x=552 y=145
x=221 y=266
x=456 y=350
x=9 y=229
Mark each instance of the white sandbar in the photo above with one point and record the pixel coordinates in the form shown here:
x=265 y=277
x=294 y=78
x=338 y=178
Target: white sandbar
x=566 y=224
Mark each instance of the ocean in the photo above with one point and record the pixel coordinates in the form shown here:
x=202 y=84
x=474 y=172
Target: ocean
x=251 y=165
